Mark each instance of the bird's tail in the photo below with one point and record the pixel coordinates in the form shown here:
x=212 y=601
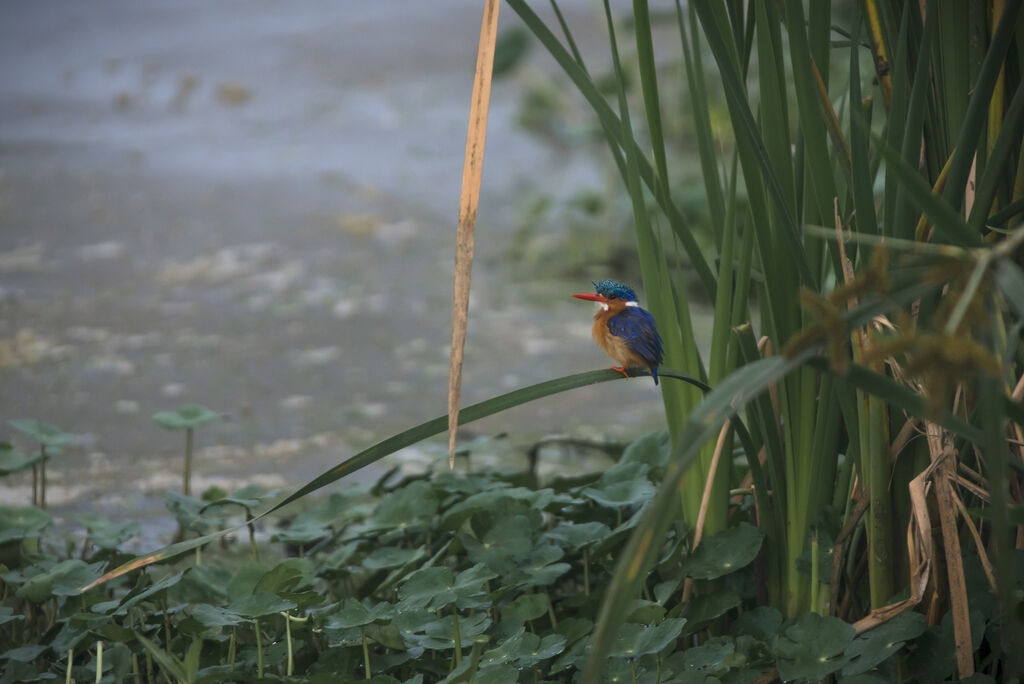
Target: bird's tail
x=654 y=374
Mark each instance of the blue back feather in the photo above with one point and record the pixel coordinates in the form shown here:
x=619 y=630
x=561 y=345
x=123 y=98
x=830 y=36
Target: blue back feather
x=636 y=327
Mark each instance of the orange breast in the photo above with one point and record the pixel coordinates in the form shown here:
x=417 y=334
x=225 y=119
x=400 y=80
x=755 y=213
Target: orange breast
x=615 y=347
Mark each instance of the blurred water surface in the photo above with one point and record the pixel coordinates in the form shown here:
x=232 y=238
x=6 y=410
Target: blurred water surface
x=251 y=205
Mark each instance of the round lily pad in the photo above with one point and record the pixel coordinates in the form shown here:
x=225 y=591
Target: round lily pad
x=187 y=416
x=725 y=552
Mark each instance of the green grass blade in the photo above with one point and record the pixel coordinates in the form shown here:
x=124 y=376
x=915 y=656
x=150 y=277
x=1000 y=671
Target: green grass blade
x=1007 y=142
x=168 y=661
x=698 y=100
x=977 y=108
x=649 y=87
x=773 y=109
x=945 y=219
x=894 y=132
x=991 y=404
x=911 y=132
x=900 y=396
x=392 y=444
x=819 y=169
x=1006 y=213
x=862 y=185
x=753 y=155
x=613 y=126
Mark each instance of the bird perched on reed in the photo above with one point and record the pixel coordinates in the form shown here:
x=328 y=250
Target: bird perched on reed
x=623 y=329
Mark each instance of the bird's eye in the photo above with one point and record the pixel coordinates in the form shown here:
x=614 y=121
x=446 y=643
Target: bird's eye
x=612 y=297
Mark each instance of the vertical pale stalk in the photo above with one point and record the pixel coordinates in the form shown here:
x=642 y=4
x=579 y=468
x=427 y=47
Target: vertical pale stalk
x=469 y=199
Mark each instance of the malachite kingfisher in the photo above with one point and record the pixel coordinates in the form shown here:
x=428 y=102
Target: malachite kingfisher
x=624 y=330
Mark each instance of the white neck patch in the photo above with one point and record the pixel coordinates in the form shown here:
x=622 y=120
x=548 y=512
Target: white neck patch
x=632 y=304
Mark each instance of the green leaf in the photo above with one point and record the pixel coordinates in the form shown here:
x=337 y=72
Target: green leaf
x=704 y=608
x=524 y=649
x=13 y=461
x=7 y=615
x=67 y=583
x=260 y=604
x=496 y=496
x=301 y=532
x=653 y=449
x=392 y=557
x=105 y=534
x=540 y=568
x=187 y=416
x=19 y=523
x=413 y=504
x=812 y=646
x=23 y=654
x=161 y=585
x=871 y=648
x=214 y=618
x=433 y=588
x=509 y=540
x=621 y=494
x=576 y=536
x=47 y=434
x=711 y=657
x=762 y=623
x=202 y=584
x=635 y=640
x=355 y=614
x=526 y=607
x=725 y=552
x=422 y=630
x=287 y=575
x=40 y=587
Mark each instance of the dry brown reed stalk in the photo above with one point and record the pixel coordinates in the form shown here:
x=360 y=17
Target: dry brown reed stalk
x=705 y=501
x=943 y=456
x=469 y=200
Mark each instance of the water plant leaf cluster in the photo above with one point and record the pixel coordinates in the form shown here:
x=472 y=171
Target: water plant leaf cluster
x=453 y=576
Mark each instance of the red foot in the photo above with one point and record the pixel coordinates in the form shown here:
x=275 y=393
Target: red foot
x=621 y=370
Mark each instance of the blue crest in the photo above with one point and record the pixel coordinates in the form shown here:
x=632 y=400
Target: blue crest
x=612 y=289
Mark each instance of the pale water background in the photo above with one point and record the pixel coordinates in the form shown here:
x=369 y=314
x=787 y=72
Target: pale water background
x=251 y=205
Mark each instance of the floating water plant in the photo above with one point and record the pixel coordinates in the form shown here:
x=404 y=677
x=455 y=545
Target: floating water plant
x=188 y=417
x=50 y=439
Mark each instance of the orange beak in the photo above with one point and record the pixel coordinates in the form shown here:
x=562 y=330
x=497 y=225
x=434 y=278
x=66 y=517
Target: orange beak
x=590 y=297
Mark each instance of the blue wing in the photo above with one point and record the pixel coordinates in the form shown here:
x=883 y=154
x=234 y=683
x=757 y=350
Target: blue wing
x=636 y=327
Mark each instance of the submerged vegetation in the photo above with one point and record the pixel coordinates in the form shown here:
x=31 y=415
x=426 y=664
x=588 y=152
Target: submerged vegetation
x=837 y=493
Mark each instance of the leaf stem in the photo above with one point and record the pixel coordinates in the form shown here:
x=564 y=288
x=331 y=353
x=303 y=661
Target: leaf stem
x=42 y=476
x=586 y=572
x=366 y=653
x=187 y=471
x=259 y=649
x=457 y=635
x=288 y=641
